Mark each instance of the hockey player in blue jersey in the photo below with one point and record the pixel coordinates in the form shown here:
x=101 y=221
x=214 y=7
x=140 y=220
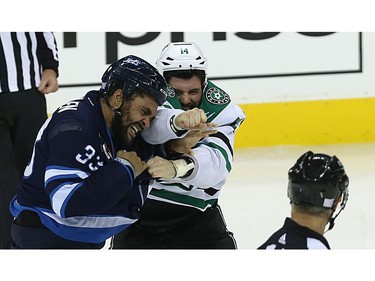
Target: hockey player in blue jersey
x=81 y=185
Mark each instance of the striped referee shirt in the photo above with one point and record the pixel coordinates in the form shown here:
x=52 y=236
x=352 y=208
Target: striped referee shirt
x=295 y=236
x=23 y=57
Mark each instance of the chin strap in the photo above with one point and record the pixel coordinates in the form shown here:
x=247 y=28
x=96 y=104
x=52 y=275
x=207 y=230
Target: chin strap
x=116 y=111
x=344 y=199
x=332 y=220
x=331 y=224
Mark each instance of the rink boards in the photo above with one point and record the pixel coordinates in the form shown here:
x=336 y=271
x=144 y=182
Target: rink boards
x=308 y=122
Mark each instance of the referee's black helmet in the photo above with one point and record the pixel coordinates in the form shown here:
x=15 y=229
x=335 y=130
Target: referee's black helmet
x=318 y=180
x=135 y=72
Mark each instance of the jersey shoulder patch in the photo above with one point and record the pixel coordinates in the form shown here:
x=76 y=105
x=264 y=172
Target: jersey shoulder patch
x=215 y=95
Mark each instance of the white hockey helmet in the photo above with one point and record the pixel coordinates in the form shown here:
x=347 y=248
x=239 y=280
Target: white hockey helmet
x=181 y=56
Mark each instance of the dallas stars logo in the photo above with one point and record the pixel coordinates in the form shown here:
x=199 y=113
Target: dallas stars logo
x=170 y=91
x=217 y=96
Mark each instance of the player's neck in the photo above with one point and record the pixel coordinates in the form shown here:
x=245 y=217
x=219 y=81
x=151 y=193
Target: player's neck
x=315 y=223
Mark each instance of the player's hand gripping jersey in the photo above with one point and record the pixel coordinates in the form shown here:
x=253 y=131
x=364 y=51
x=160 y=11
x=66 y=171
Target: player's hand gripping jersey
x=73 y=152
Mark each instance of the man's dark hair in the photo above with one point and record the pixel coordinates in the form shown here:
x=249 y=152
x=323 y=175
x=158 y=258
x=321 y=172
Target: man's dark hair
x=186 y=74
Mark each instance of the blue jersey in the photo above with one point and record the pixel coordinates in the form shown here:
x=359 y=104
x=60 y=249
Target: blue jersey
x=74 y=182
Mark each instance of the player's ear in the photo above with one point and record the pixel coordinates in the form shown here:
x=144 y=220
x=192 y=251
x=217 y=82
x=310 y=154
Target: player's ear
x=116 y=99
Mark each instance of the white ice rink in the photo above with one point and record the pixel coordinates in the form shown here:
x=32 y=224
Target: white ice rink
x=254 y=200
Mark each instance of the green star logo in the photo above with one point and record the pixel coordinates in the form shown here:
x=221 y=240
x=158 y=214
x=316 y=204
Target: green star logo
x=217 y=96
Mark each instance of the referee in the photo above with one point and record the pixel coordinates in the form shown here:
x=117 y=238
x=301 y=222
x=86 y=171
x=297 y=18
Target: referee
x=318 y=191
x=28 y=71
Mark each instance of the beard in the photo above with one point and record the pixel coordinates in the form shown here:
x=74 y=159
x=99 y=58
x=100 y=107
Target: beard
x=123 y=133
x=120 y=132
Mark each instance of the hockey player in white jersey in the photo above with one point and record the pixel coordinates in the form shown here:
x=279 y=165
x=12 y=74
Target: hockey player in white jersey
x=182 y=210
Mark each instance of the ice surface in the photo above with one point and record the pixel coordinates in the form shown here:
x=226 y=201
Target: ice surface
x=254 y=199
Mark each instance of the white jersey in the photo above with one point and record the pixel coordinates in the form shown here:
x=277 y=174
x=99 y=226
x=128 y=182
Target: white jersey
x=213 y=155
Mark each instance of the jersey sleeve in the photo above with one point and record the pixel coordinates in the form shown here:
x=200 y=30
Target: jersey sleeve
x=213 y=155
x=161 y=130
x=47 y=51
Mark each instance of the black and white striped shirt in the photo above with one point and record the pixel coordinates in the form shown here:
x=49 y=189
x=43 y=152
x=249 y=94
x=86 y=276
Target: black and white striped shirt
x=23 y=57
x=295 y=236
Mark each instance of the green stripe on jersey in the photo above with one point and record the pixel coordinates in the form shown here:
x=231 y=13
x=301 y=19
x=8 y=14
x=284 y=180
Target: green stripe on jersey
x=176 y=184
x=223 y=152
x=184 y=199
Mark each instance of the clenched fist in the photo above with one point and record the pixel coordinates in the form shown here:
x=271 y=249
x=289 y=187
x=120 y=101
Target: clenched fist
x=193 y=119
x=160 y=168
x=48 y=82
x=133 y=158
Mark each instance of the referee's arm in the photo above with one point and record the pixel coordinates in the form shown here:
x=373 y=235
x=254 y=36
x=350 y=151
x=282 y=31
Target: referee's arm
x=47 y=54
